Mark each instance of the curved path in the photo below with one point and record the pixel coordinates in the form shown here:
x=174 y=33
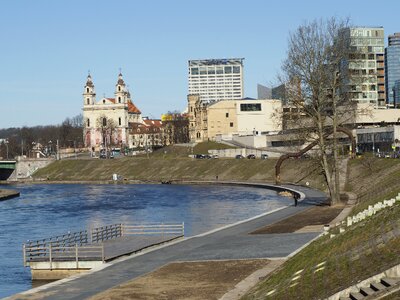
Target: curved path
x=231 y=242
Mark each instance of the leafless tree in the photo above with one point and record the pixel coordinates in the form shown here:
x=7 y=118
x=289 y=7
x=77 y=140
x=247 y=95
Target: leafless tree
x=107 y=129
x=317 y=81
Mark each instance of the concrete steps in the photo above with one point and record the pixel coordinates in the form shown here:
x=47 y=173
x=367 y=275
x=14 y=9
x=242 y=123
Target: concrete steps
x=374 y=289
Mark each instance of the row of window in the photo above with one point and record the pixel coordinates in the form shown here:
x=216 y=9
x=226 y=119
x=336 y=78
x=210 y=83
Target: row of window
x=214 y=70
x=104 y=122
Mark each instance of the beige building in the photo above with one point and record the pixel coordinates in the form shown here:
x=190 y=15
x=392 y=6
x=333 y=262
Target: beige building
x=107 y=120
x=197 y=114
x=232 y=117
x=147 y=135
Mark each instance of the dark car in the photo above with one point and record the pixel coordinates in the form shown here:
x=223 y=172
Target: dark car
x=264 y=156
x=239 y=156
x=103 y=154
x=251 y=156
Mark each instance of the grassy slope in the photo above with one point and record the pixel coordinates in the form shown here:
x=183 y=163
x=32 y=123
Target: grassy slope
x=360 y=252
x=157 y=169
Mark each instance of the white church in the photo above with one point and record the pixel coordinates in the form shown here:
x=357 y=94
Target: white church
x=106 y=122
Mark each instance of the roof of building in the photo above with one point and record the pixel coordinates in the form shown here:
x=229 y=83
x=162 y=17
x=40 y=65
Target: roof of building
x=132 y=108
x=149 y=122
x=111 y=100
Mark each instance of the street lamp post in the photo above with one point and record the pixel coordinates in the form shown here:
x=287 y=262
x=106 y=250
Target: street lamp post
x=6 y=142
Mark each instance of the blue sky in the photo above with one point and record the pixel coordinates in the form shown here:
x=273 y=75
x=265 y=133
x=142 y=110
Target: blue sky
x=47 y=47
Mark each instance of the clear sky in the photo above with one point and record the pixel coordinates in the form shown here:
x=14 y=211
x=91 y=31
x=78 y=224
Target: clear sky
x=48 y=46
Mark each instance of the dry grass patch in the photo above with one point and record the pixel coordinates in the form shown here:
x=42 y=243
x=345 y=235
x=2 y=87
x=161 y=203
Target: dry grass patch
x=186 y=280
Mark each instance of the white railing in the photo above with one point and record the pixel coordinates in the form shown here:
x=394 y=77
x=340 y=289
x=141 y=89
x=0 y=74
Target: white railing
x=78 y=246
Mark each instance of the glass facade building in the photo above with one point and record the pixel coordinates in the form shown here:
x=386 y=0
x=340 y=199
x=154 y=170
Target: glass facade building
x=392 y=69
x=368 y=65
x=216 y=79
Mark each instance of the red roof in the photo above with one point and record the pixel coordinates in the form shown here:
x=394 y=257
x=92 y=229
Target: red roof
x=132 y=108
x=157 y=123
x=111 y=99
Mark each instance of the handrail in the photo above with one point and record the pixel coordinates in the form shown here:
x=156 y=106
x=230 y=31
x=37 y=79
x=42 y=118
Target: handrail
x=76 y=245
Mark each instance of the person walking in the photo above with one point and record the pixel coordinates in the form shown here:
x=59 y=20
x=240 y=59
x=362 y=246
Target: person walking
x=296 y=198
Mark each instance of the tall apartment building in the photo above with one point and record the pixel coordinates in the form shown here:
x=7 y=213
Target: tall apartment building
x=392 y=68
x=367 y=65
x=216 y=79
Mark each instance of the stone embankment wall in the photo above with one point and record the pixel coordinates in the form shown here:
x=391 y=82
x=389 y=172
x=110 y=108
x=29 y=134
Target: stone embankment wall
x=25 y=167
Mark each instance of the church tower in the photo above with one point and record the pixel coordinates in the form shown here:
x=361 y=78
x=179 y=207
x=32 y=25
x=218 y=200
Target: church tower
x=121 y=95
x=89 y=95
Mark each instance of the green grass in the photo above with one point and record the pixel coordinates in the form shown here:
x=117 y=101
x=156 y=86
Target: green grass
x=367 y=248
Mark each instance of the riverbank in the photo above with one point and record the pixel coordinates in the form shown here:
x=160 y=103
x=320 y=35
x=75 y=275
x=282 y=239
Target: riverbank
x=8 y=194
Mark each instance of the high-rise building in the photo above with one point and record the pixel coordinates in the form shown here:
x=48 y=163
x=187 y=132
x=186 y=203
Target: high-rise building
x=216 y=79
x=396 y=93
x=367 y=65
x=392 y=68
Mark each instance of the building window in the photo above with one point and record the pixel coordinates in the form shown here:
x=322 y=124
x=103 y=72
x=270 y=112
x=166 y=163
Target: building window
x=87 y=90
x=104 y=101
x=119 y=121
x=250 y=107
x=88 y=122
x=227 y=115
x=119 y=99
x=104 y=122
x=88 y=101
x=119 y=88
x=231 y=124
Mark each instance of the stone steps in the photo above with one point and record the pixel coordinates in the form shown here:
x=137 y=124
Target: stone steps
x=375 y=288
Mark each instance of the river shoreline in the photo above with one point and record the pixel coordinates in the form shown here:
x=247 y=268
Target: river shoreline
x=8 y=194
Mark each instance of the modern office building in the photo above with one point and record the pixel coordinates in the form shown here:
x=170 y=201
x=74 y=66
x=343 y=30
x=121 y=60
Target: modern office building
x=396 y=93
x=216 y=79
x=392 y=68
x=367 y=65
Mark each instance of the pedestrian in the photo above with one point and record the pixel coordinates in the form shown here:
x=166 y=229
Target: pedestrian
x=296 y=198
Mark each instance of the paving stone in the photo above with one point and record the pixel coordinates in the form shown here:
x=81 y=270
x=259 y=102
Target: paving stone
x=389 y=281
x=377 y=286
x=356 y=296
x=367 y=291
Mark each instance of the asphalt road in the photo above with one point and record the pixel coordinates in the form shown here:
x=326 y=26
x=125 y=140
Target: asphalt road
x=230 y=243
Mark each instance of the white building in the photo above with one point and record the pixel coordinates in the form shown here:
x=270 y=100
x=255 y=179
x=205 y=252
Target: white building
x=107 y=120
x=216 y=79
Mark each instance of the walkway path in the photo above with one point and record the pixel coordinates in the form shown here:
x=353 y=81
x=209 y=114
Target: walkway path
x=230 y=243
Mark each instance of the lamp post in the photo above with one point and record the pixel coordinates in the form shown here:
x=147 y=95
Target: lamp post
x=6 y=142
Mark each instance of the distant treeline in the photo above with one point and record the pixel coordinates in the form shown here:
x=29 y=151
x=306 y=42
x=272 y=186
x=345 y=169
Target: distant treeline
x=21 y=141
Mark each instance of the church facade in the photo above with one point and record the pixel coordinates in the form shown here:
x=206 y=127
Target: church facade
x=106 y=121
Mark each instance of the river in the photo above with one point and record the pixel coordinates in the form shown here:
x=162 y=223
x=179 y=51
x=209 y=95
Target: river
x=45 y=210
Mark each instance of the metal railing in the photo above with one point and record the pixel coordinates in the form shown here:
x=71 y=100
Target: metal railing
x=85 y=246
x=154 y=229
x=53 y=254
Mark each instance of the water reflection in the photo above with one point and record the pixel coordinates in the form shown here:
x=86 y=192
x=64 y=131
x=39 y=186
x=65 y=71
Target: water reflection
x=48 y=210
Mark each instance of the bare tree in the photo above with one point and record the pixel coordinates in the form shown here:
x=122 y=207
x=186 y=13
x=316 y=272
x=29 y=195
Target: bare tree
x=317 y=81
x=107 y=129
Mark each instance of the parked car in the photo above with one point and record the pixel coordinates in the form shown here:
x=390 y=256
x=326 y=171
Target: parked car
x=239 y=156
x=251 y=156
x=199 y=156
x=264 y=156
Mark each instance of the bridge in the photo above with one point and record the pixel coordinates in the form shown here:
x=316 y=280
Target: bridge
x=7 y=167
x=64 y=255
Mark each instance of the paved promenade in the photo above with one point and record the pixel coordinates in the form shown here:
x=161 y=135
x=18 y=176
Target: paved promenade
x=230 y=243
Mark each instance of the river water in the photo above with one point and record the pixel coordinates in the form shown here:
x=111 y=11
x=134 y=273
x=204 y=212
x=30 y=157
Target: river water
x=45 y=210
